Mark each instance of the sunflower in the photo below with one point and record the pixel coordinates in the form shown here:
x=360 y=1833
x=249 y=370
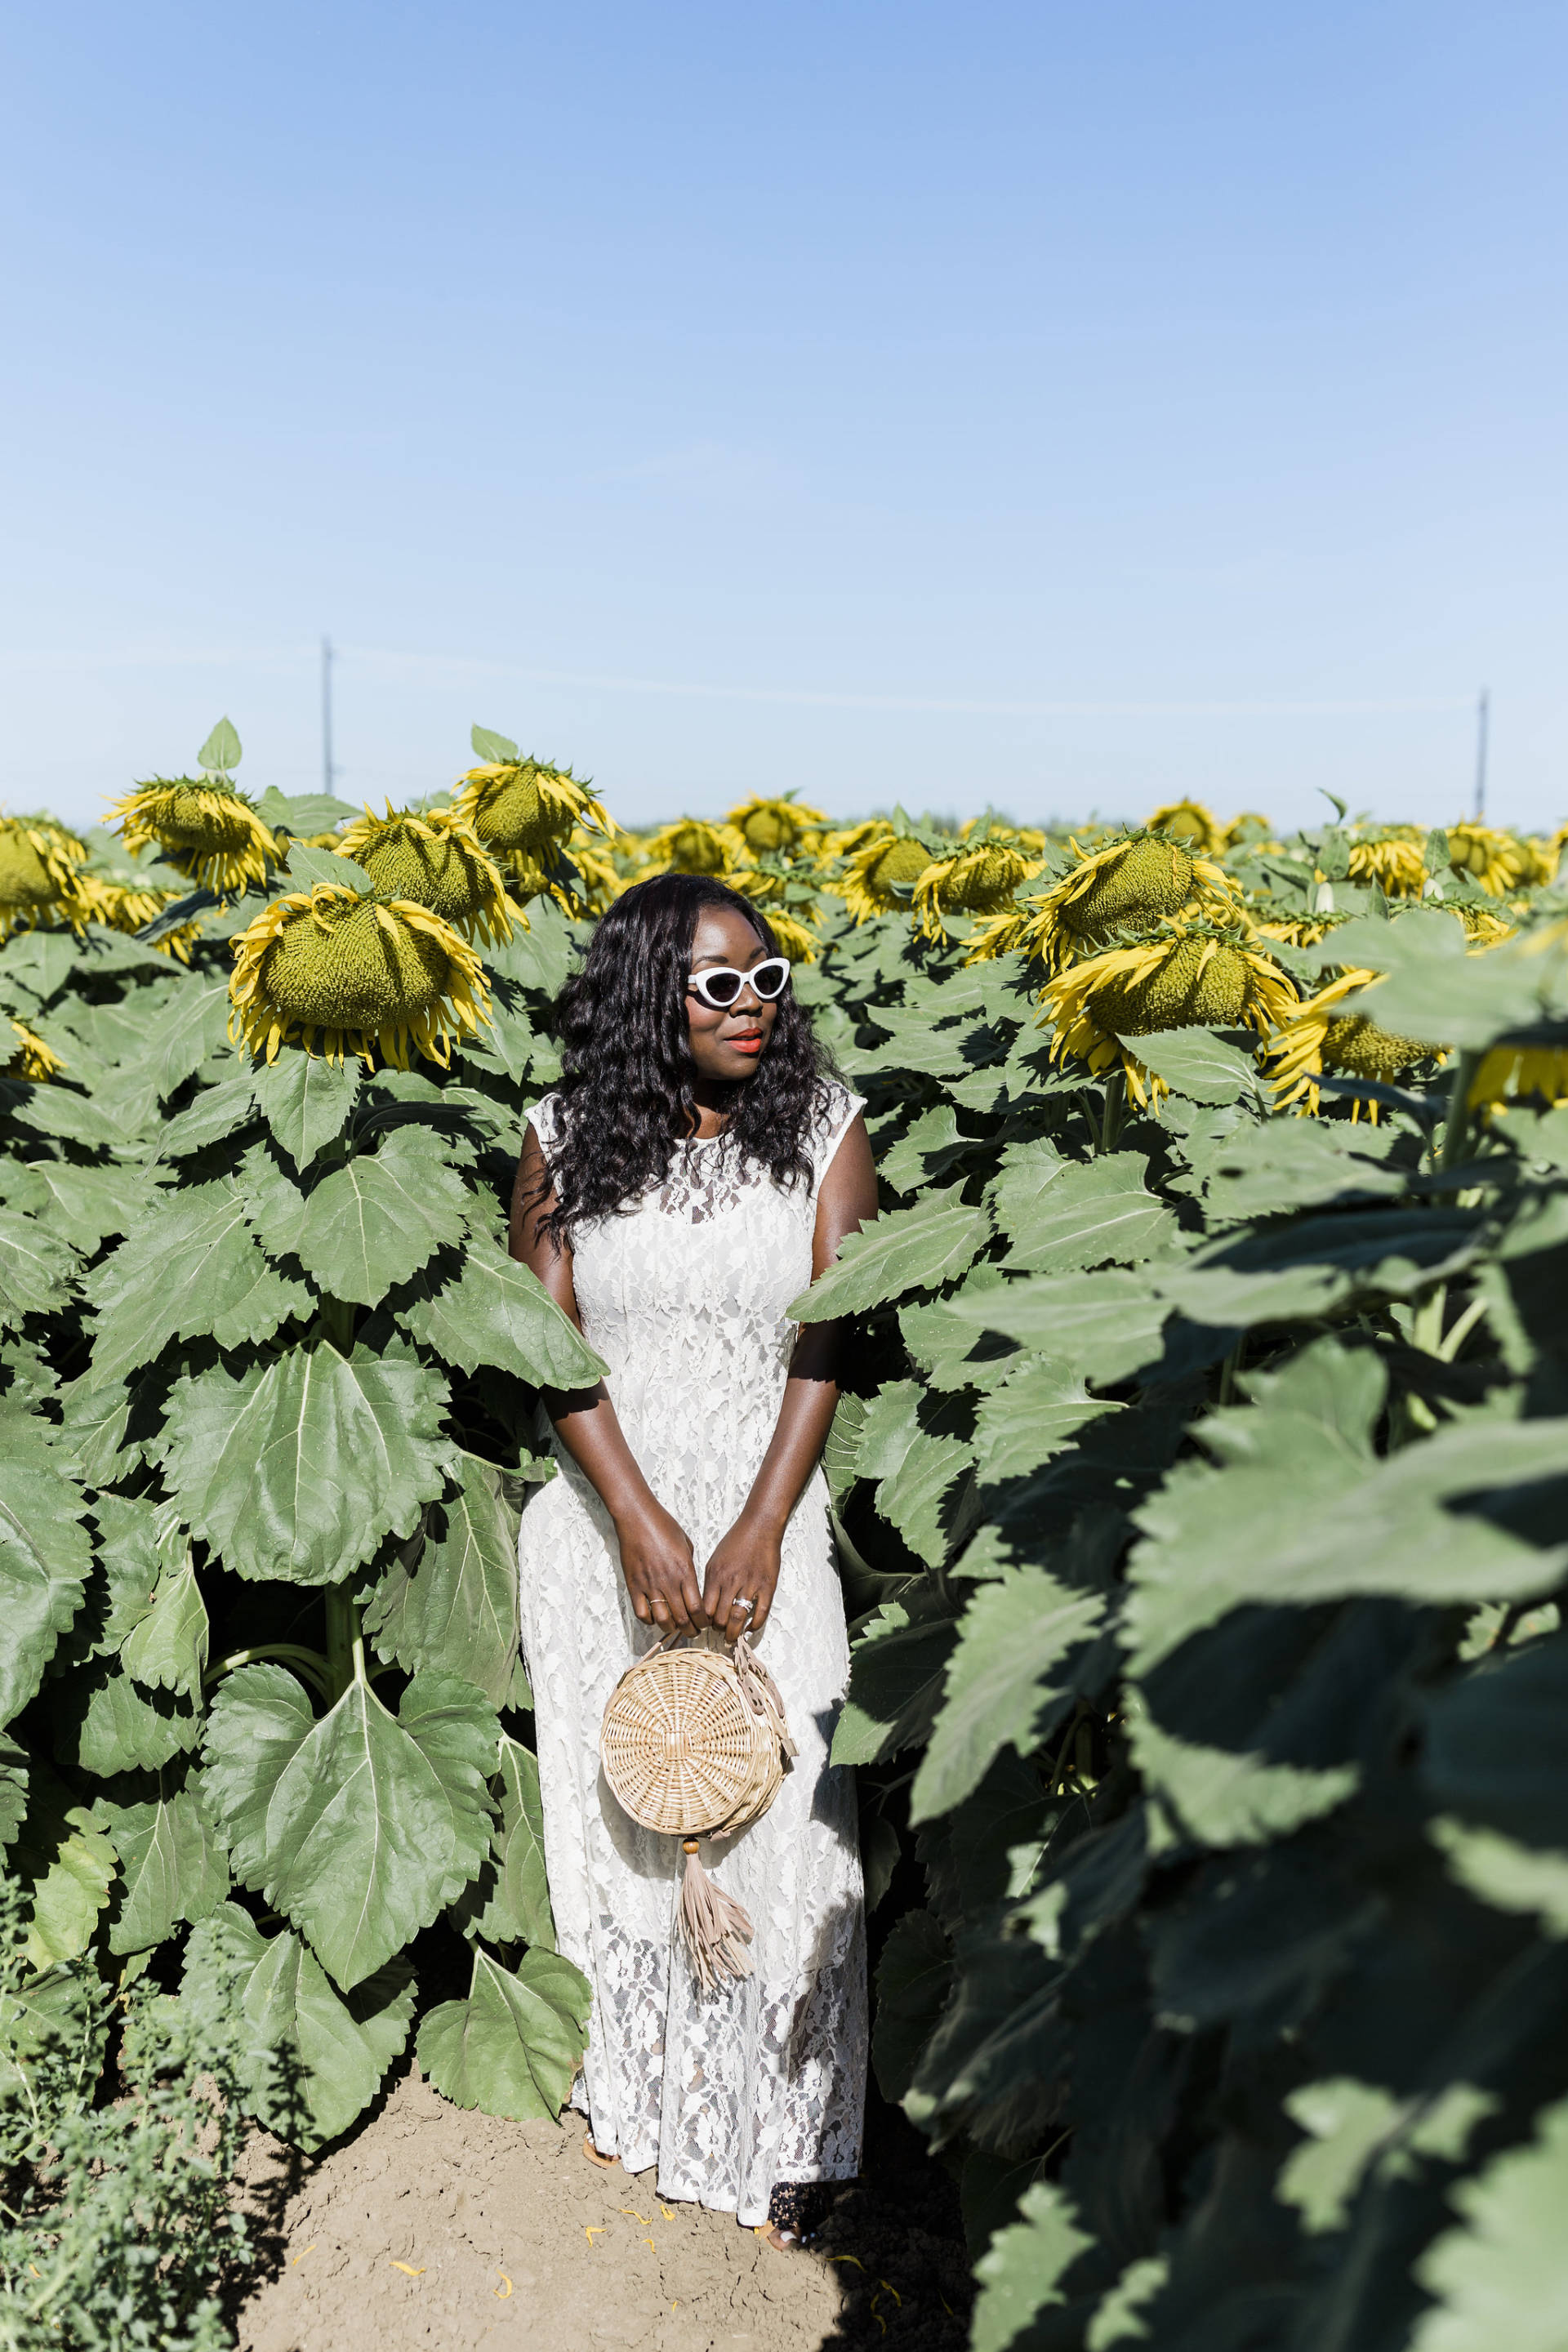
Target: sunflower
x=205 y=829
x=1189 y=820
x=1248 y=831
x=40 y=874
x=357 y=974
x=32 y=1061
x=972 y=881
x=845 y=839
x=1482 y=926
x=521 y=811
x=882 y=875
x=599 y=880
x=1498 y=863
x=129 y=906
x=1184 y=977
x=1319 y=1036
x=1131 y=882
x=1510 y=1075
x=765 y=824
x=692 y=846
x=1394 y=859
x=1300 y=929
x=1026 y=837
x=435 y=861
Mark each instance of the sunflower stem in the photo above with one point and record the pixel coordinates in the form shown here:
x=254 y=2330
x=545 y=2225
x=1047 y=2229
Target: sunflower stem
x=345 y=1644
x=308 y=1664
x=338 y=1323
x=1427 y=1322
x=1115 y=1108
x=1456 y=1127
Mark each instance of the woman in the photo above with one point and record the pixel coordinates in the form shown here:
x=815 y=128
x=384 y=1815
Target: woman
x=694 y=1172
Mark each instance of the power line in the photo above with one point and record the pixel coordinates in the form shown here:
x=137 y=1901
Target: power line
x=1483 y=715
x=328 y=771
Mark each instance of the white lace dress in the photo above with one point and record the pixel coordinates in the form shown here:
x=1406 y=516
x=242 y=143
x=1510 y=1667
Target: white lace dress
x=684 y=1298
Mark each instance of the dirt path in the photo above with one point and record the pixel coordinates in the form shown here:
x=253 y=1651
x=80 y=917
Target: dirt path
x=435 y=2228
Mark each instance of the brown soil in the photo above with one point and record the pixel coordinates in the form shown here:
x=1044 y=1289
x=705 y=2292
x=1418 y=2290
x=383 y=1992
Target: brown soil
x=434 y=2228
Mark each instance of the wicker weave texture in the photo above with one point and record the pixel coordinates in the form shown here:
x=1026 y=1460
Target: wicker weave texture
x=685 y=1749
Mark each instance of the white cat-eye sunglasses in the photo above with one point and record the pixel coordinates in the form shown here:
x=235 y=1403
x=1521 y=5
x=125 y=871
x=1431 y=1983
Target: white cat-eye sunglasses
x=721 y=987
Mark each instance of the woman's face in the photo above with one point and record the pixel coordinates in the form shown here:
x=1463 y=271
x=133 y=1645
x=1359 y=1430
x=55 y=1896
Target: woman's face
x=728 y=1045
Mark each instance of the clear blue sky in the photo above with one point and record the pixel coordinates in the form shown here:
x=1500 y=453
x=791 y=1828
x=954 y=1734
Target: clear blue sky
x=1068 y=406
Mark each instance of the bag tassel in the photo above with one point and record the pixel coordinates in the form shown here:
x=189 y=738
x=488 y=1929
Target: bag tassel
x=714 y=1928
x=762 y=1693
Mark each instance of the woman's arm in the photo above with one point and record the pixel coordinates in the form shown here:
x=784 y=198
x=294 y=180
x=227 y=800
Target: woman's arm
x=657 y=1559
x=746 y=1562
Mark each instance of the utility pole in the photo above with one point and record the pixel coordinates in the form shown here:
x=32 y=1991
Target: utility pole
x=1483 y=712
x=328 y=771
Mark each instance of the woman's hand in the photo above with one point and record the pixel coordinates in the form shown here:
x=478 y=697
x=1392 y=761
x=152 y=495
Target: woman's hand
x=745 y=1566
x=660 y=1570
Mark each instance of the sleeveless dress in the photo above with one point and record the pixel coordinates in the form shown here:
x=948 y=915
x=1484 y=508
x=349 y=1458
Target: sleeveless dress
x=684 y=1296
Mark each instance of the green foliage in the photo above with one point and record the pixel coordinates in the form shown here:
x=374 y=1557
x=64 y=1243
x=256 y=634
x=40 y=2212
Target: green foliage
x=1213 y=1473
x=117 y=2227
x=1202 y=1482
x=267 y=1380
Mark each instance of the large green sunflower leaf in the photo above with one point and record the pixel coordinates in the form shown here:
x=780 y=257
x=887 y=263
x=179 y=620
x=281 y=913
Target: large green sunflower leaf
x=260 y=1717
x=14 y=1764
x=167 y=1648
x=912 y=1499
x=1432 y=1524
x=1031 y=1416
x=125 y=1574
x=299 y=1468
x=58 y=1110
x=67 y=1863
x=513 y=2046
x=191 y=1269
x=215 y=1116
x=193 y=1027
x=452 y=1601
x=909 y=1249
x=1097 y=1212
x=1498 y=2278
x=1223 y=1798
x=173 y=1863
x=914 y=1978
x=105 y=1724
x=1497 y=1742
x=1257 y=1171
x=1199 y=1064
x=371 y=1225
x=1318 y=1266
x=948 y=1348
x=1108 y=1325
x=1021 y=2272
x=1019 y=1189
x=83 y=1206
x=45 y=1557
x=37 y=1268
x=896 y=1671
x=1510 y=1876
x=498 y=1312
x=336 y=2050
x=508 y=1903
x=363 y=1828
x=305 y=1100
x=1017 y=1628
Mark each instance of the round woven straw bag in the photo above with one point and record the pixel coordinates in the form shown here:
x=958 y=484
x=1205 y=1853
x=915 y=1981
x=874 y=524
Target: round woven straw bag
x=695 y=1744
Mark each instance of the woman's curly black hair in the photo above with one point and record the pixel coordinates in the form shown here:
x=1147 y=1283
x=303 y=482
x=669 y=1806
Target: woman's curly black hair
x=627 y=1096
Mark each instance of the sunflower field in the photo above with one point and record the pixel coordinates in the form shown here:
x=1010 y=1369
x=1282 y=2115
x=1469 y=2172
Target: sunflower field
x=1201 y=1485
